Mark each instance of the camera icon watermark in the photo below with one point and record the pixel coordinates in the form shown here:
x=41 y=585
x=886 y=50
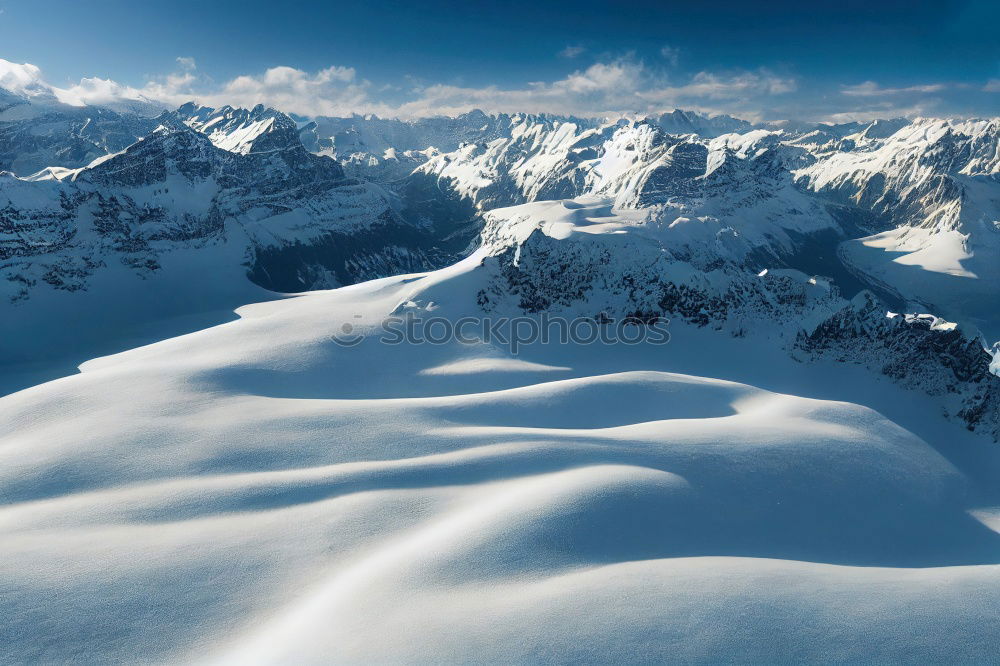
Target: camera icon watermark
x=510 y=332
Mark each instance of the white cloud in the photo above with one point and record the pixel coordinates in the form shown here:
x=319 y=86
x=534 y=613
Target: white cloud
x=571 y=51
x=621 y=86
x=865 y=116
x=23 y=79
x=100 y=92
x=711 y=86
x=613 y=88
x=26 y=80
x=172 y=89
x=600 y=89
x=619 y=76
x=872 y=89
x=671 y=54
x=331 y=91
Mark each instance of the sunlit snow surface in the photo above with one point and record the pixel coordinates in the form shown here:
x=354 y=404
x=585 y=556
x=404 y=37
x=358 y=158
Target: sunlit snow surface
x=257 y=493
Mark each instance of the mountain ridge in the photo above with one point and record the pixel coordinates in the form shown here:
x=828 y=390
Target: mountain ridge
x=753 y=201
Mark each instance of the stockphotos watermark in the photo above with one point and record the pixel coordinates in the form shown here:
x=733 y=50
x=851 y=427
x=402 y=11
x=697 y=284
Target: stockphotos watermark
x=510 y=332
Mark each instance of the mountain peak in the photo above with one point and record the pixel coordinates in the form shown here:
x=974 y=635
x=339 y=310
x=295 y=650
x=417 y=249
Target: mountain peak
x=240 y=130
x=680 y=121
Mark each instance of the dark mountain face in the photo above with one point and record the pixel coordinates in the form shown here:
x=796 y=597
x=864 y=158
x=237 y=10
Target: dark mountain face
x=64 y=136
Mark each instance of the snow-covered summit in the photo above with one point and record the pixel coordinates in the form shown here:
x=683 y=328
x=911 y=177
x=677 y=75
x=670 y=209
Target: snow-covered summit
x=680 y=121
x=243 y=131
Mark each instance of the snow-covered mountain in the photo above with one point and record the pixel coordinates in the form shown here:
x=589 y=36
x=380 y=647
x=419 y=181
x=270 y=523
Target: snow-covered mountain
x=188 y=220
x=33 y=138
x=389 y=149
x=637 y=165
x=816 y=447
x=410 y=195
x=42 y=126
x=585 y=258
x=680 y=121
x=712 y=211
x=917 y=200
x=241 y=131
x=727 y=207
x=288 y=499
x=934 y=187
x=373 y=136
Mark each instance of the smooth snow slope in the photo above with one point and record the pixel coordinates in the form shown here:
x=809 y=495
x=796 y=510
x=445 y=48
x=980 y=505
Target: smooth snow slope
x=255 y=493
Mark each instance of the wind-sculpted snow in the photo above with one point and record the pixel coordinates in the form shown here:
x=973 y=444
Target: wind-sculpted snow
x=258 y=493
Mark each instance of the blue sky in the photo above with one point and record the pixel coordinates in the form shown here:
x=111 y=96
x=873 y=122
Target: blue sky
x=765 y=60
